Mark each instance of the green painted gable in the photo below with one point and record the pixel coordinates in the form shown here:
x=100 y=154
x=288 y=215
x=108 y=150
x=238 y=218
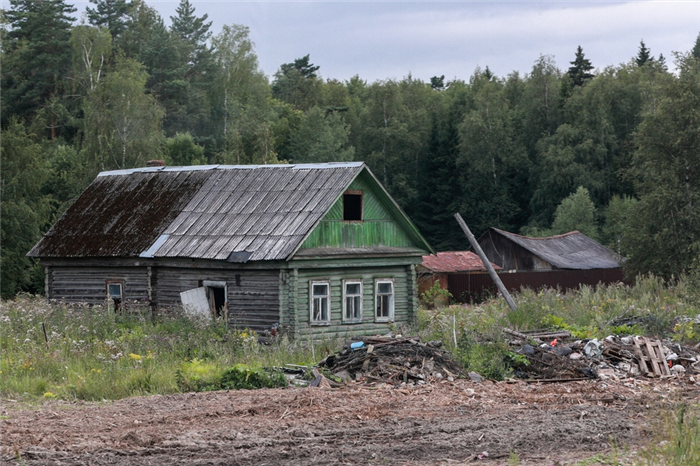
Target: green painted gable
x=379 y=228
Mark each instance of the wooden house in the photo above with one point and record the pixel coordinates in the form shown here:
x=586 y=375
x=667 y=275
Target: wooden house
x=566 y=261
x=315 y=248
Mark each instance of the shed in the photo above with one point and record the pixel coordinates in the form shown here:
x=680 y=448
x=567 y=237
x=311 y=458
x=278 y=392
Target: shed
x=456 y=270
x=568 y=260
x=315 y=248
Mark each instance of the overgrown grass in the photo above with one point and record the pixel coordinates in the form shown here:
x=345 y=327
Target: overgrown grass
x=678 y=439
x=474 y=333
x=92 y=354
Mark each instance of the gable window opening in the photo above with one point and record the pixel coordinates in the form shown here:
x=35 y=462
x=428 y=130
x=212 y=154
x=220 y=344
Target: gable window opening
x=352 y=301
x=352 y=206
x=384 y=299
x=115 y=296
x=320 y=302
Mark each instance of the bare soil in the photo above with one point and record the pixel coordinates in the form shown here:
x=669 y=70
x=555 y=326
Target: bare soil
x=443 y=423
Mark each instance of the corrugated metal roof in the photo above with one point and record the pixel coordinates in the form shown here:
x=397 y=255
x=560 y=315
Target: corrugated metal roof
x=572 y=250
x=203 y=212
x=455 y=261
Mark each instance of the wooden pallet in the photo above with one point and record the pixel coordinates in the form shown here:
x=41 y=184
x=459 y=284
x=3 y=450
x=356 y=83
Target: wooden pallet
x=651 y=357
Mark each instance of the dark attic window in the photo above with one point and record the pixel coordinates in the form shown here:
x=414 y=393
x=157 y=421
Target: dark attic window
x=352 y=206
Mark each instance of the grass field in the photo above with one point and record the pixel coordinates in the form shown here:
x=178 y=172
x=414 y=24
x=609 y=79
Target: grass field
x=90 y=354
x=86 y=353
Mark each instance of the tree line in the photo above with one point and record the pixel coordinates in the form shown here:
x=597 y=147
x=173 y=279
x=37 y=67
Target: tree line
x=613 y=152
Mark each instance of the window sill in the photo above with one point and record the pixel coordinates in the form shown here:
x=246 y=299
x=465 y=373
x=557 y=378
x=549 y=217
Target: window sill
x=352 y=322
x=319 y=324
x=383 y=320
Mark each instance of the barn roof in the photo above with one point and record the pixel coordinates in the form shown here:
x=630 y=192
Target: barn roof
x=235 y=213
x=455 y=261
x=572 y=250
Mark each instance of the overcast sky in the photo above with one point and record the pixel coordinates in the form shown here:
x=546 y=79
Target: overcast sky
x=390 y=39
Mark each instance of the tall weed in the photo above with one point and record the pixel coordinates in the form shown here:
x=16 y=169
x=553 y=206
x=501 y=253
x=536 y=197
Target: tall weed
x=92 y=354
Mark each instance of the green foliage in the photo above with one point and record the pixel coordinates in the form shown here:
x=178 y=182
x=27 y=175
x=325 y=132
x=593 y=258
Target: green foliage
x=579 y=72
x=93 y=354
x=197 y=375
x=576 y=331
x=182 y=150
x=490 y=358
x=25 y=210
x=242 y=376
x=679 y=439
x=122 y=122
x=297 y=84
x=36 y=55
x=617 y=216
x=576 y=212
x=109 y=14
x=322 y=136
x=644 y=55
x=434 y=295
x=664 y=226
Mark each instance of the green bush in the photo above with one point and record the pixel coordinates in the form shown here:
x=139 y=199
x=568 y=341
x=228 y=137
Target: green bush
x=491 y=359
x=242 y=376
x=434 y=295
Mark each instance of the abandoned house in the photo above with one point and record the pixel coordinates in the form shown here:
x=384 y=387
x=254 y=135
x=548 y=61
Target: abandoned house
x=462 y=273
x=566 y=261
x=315 y=248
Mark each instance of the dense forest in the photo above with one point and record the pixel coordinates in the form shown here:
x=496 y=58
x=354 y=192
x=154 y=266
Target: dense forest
x=611 y=151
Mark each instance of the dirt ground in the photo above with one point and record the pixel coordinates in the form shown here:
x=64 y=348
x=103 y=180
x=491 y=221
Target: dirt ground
x=445 y=423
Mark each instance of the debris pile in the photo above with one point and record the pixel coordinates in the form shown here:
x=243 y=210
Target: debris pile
x=612 y=357
x=393 y=361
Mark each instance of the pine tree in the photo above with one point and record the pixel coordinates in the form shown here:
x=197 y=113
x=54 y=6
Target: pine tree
x=112 y=14
x=579 y=72
x=297 y=83
x=695 y=52
x=644 y=55
x=37 y=55
x=190 y=28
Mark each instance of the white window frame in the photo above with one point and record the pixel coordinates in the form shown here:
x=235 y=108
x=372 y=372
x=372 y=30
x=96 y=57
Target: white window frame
x=390 y=317
x=313 y=321
x=346 y=319
x=110 y=298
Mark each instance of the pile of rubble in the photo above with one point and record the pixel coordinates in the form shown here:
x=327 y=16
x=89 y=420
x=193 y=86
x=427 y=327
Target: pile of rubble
x=393 y=360
x=550 y=357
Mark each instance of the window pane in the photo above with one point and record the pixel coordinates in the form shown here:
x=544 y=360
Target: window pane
x=324 y=309
x=352 y=288
x=349 y=308
x=115 y=290
x=357 y=308
x=385 y=288
x=321 y=290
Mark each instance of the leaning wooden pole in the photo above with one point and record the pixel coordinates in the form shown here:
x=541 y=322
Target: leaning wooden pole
x=487 y=263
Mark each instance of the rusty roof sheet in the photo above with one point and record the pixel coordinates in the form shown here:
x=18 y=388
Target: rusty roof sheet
x=455 y=261
x=207 y=212
x=572 y=250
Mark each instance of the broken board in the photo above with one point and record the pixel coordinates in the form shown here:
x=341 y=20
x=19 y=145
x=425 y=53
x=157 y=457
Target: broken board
x=652 y=360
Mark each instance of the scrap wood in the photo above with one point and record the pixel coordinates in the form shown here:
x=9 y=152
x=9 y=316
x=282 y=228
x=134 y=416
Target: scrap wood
x=651 y=356
x=543 y=334
x=394 y=360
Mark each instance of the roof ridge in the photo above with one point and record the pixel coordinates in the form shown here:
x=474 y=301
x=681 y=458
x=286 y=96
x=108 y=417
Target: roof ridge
x=539 y=238
x=293 y=166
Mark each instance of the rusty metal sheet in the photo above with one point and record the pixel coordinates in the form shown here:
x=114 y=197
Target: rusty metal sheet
x=455 y=261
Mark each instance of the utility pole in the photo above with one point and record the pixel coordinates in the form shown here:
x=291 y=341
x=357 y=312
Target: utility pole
x=487 y=263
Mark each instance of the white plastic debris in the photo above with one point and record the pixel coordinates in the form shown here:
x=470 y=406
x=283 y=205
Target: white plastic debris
x=593 y=349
